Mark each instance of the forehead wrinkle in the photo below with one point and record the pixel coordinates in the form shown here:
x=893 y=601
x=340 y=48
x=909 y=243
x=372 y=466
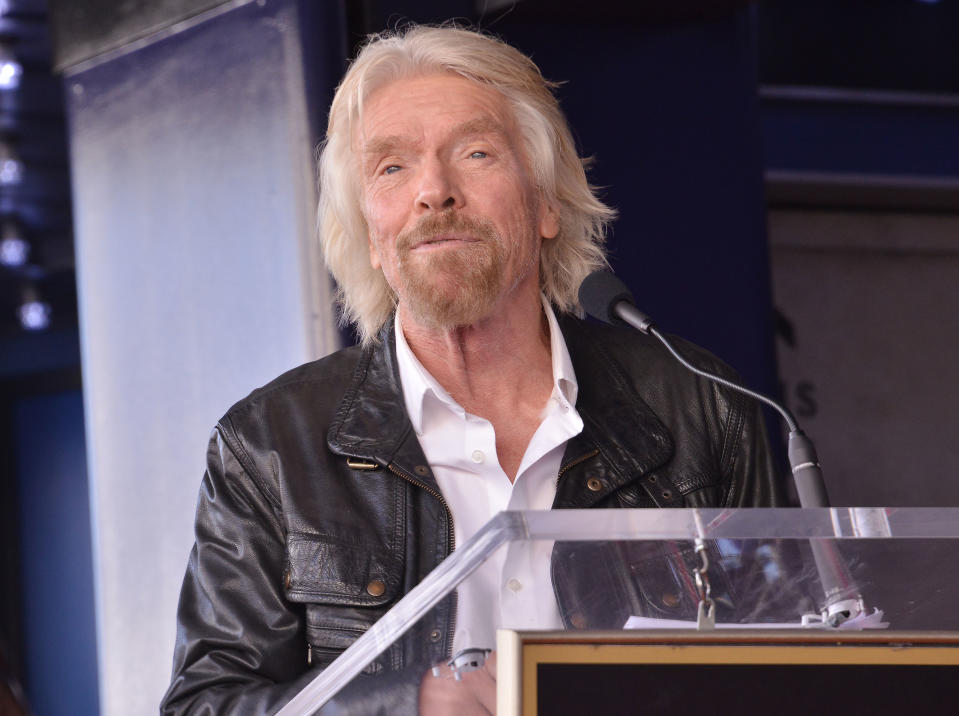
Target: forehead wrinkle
x=376 y=146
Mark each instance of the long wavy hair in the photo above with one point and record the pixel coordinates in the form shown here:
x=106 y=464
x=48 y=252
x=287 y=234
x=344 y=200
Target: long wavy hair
x=364 y=295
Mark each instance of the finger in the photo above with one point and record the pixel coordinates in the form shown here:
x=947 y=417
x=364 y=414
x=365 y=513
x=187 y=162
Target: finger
x=490 y=665
x=483 y=686
x=443 y=695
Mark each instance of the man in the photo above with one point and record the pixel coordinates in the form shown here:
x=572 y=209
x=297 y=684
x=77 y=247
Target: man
x=457 y=219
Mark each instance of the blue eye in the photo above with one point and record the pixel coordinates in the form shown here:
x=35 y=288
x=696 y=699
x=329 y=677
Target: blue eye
x=478 y=155
x=391 y=169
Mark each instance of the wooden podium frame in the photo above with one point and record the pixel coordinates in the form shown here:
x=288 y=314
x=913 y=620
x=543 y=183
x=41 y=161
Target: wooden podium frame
x=522 y=654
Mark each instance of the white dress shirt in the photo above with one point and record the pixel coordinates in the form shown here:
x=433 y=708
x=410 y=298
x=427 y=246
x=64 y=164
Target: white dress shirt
x=512 y=590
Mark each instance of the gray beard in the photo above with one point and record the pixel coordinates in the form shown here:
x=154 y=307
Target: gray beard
x=456 y=287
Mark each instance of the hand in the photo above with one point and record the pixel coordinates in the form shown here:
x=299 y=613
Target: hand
x=475 y=695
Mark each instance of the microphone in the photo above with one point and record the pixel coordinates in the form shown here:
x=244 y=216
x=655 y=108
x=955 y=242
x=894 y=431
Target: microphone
x=603 y=296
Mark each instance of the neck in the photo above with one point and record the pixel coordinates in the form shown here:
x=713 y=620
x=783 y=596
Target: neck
x=499 y=368
x=505 y=354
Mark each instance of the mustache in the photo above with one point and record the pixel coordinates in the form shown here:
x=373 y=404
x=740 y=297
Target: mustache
x=431 y=226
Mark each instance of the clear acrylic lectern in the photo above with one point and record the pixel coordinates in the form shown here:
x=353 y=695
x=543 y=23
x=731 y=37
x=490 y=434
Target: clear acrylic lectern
x=660 y=570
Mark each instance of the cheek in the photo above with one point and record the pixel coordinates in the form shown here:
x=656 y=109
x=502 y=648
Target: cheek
x=383 y=215
x=377 y=224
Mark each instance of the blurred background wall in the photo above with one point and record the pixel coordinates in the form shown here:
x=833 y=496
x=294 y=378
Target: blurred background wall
x=787 y=177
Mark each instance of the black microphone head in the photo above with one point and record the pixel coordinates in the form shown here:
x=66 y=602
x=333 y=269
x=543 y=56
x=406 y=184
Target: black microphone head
x=600 y=292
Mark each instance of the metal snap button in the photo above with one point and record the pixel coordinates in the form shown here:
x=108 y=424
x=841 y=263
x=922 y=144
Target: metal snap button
x=594 y=485
x=421 y=470
x=667 y=494
x=435 y=635
x=376 y=588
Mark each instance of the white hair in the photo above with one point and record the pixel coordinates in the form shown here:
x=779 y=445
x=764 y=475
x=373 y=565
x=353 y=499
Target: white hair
x=559 y=173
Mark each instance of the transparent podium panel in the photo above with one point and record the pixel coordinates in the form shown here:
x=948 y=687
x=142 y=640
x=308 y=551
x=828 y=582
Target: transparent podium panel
x=813 y=573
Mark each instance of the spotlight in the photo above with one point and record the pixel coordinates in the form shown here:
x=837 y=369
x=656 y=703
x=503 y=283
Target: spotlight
x=11 y=168
x=5 y=6
x=34 y=313
x=10 y=70
x=14 y=249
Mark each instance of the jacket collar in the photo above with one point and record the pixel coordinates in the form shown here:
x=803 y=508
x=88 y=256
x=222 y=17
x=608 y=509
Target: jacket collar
x=371 y=423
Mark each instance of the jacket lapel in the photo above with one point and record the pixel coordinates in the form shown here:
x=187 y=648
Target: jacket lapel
x=630 y=438
x=371 y=426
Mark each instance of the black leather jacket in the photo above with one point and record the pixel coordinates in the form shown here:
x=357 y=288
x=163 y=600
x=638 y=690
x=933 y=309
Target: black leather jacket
x=318 y=511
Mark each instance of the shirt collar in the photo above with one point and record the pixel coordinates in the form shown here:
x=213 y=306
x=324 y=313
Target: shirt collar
x=418 y=384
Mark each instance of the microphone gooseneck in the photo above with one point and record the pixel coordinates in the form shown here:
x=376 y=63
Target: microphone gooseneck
x=603 y=296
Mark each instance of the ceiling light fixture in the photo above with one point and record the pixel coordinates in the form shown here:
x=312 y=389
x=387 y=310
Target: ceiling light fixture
x=14 y=248
x=34 y=313
x=11 y=168
x=10 y=70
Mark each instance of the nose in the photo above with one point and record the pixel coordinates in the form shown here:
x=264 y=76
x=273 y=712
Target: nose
x=438 y=189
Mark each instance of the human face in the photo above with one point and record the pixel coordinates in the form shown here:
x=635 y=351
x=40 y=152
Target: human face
x=455 y=220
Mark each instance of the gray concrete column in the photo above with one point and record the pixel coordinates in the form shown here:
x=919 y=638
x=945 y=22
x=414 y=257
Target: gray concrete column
x=199 y=279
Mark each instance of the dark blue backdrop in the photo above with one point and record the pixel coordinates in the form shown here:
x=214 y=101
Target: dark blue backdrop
x=56 y=579
x=670 y=113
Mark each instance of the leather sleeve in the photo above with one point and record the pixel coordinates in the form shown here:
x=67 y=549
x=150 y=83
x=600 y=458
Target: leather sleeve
x=241 y=646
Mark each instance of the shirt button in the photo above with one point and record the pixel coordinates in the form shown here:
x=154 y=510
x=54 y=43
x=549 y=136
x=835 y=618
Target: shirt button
x=514 y=585
x=477 y=456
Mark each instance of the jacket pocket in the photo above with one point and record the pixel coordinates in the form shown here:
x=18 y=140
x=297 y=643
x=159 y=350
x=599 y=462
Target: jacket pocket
x=345 y=587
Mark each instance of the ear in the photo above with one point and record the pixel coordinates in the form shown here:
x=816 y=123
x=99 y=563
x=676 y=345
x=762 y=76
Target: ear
x=548 y=221
x=375 y=261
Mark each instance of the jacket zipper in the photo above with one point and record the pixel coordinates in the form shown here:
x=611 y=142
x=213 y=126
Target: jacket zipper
x=451 y=536
x=574 y=463
x=449 y=513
